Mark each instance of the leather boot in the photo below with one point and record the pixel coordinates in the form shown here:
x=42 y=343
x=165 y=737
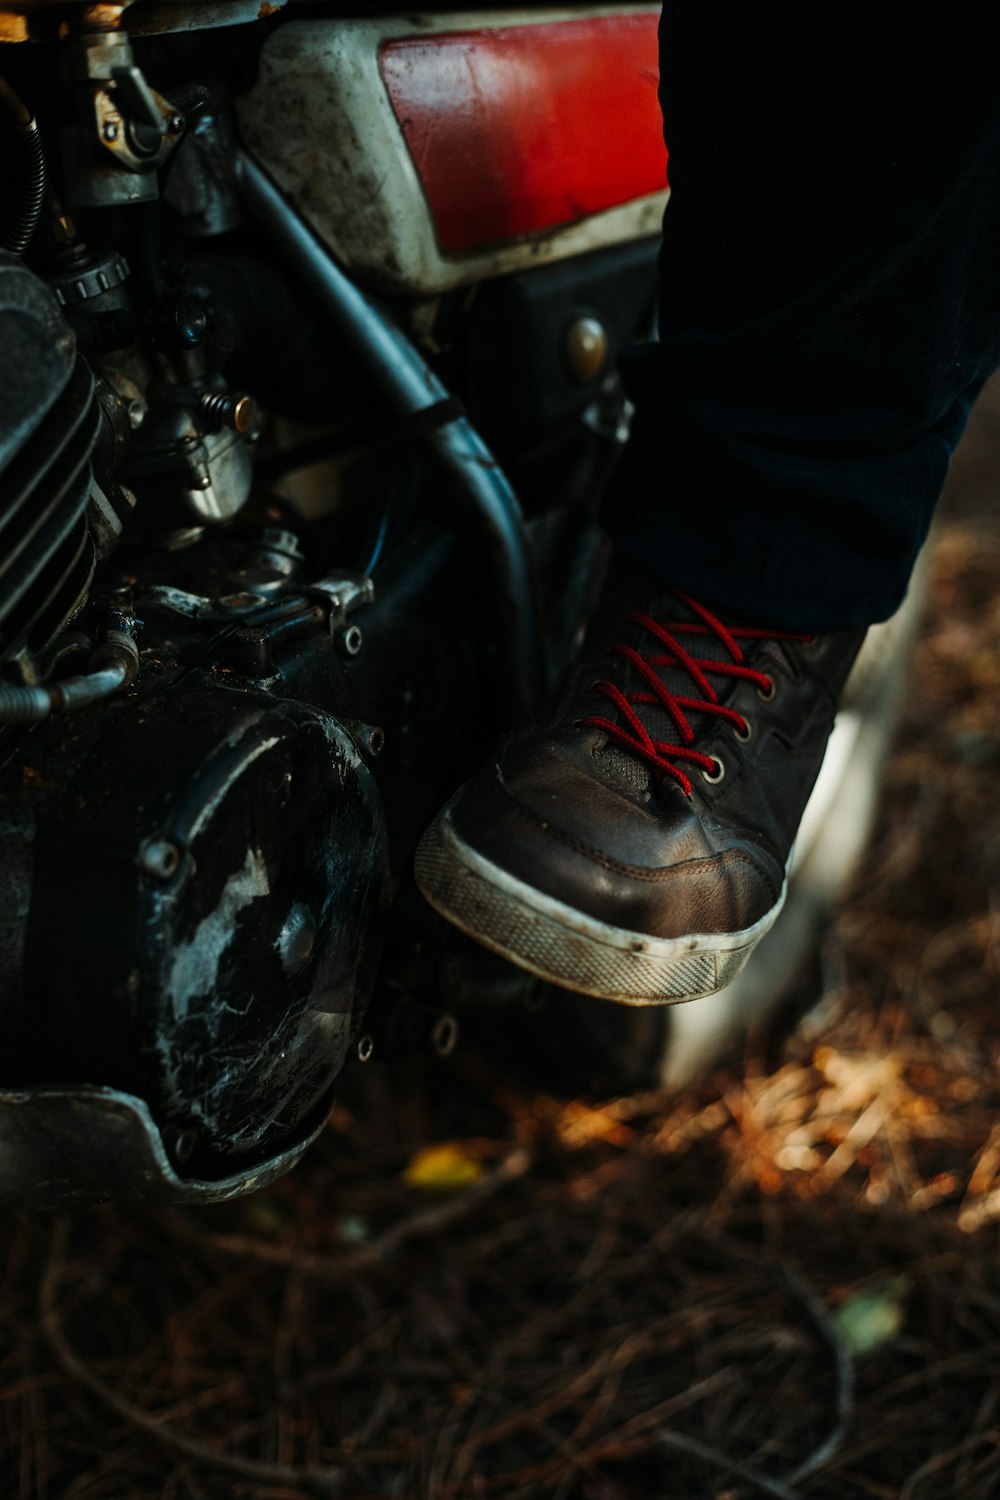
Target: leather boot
x=635 y=847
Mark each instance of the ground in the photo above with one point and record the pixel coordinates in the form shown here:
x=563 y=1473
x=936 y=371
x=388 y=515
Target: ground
x=784 y=1284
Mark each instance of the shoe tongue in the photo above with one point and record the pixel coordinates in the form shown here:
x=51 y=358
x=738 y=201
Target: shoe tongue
x=705 y=646
x=659 y=604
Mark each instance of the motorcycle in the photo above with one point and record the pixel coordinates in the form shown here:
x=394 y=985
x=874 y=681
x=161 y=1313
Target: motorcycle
x=308 y=324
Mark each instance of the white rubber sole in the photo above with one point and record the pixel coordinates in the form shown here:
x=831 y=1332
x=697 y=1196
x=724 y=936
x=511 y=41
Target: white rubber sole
x=566 y=947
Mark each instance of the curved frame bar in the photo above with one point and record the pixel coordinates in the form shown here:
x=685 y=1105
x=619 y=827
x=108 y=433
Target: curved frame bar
x=412 y=387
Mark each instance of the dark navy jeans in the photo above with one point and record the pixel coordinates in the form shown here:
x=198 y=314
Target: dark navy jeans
x=830 y=298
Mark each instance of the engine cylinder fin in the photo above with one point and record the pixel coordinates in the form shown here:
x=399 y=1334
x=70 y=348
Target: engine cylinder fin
x=46 y=558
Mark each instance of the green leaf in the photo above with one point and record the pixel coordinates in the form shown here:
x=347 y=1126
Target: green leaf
x=874 y=1317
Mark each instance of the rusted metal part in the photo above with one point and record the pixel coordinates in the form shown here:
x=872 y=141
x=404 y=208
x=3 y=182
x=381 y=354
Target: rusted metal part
x=155 y=17
x=103 y=17
x=36 y=20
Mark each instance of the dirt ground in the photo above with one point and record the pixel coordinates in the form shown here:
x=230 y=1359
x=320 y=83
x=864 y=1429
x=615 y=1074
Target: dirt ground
x=784 y=1284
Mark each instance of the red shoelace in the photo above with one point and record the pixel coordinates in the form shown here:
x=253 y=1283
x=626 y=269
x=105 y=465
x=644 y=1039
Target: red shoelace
x=633 y=734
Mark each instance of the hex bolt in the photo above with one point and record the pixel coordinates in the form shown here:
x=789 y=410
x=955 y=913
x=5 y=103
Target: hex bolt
x=350 y=640
x=159 y=858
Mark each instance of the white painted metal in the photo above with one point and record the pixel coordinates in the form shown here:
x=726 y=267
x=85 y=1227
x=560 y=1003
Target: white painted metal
x=319 y=120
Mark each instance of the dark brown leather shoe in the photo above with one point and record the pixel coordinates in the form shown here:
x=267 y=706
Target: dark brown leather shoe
x=635 y=849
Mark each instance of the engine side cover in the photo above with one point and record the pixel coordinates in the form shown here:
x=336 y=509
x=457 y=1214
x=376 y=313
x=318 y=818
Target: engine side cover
x=209 y=868
x=433 y=152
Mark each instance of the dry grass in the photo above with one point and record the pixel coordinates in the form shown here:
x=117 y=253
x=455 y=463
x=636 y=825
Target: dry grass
x=640 y=1297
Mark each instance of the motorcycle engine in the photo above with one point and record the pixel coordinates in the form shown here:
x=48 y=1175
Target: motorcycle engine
x=195 y=869
x=257 y=616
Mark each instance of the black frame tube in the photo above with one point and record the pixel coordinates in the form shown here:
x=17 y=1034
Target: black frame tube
x=411 y=387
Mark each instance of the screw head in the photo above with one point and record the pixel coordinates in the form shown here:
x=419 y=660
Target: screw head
x=185 y=320
x=110 y=130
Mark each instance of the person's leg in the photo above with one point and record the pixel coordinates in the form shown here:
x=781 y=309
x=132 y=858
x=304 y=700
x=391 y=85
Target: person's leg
x=830 y=304
x=830 y=299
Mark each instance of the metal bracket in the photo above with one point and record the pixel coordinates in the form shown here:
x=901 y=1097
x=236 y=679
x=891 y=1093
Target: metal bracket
x=126 y=131
x=343 y=593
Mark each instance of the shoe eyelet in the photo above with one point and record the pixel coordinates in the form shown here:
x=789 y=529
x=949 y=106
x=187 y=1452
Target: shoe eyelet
x=810 y=643
x=767 y=694
x=714 y=777
x=743 y=734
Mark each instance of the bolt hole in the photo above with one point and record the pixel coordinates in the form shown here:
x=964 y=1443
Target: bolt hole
x=185 y=1142
x=444 y=1037
x=352 y=640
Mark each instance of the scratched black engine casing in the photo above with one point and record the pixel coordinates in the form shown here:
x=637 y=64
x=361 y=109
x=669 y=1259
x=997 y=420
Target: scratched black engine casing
x=194 y=875
x=222 y=982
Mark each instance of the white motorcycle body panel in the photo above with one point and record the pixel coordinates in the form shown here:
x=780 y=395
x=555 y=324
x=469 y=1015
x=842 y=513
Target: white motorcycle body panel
x=321 y=122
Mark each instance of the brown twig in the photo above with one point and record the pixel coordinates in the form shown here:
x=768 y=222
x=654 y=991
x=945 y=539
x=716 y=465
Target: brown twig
x=314 y=1481
x=424 y=1222
x=710 y=1455
x=844 y=1369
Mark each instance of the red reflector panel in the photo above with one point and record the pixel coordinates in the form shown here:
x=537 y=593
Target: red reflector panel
x=524 y=128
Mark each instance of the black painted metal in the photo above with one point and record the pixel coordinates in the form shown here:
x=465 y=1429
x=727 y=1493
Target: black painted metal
x=411 y=386
x=196 y=872
x=49 y=424
x=57 y=1145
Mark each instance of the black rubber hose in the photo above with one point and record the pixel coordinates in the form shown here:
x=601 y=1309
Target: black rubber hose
x=31 y=154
